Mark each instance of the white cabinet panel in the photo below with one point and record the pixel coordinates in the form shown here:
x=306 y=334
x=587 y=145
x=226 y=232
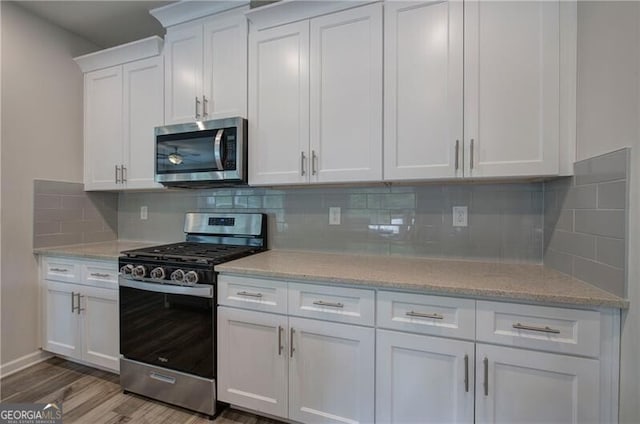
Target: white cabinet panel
x=252 y=360
x=421 y=379
x=101 y=332
x=331 y=377
x=520 y=386
x=142 y=111
x=183 y=68
x=102 y=128
x=253 y=293
x=423 y=90
x=225 y=68
x=346 y=95
x=279 y=110
x=60 y=320
x=512 y=90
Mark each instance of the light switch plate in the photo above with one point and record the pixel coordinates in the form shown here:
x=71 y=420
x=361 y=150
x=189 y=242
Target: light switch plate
x=460 y=216
x=144 y=212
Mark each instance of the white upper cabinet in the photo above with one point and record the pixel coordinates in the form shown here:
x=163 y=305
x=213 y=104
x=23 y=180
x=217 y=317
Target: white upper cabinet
x=315 y=90
x=143 y=98
x=346 y=95
x=423 y=90
x=123 y=102
x=512 y=93
x=183 y=71
x=103 y=129
x=206 y=69
x=279 y=107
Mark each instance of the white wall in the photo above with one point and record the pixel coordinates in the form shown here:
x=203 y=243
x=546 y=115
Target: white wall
x=41 y=138
x=608 y=118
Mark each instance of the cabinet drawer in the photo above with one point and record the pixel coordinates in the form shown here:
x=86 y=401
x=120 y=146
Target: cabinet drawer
x=100 y=274
x=354 y=306
x=437 y=315
x=253 y=293
x=58 y=269
x=562 y=330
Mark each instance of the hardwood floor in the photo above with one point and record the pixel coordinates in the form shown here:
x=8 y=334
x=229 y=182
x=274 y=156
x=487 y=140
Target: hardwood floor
x=91 y=396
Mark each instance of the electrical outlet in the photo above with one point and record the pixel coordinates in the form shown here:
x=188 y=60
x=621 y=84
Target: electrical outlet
x=144 y=212
x=460 y=216
x=334 y=216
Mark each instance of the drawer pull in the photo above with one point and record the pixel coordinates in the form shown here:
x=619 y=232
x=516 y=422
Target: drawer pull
x=532 y=328
x=466 y=373
x=486 y=376
x=291 y=348
x=280 y=340
x=163 y=378
x=333 y=305
x=99 y=275
x=249 y=294
x=422 y=315
x=59 y=270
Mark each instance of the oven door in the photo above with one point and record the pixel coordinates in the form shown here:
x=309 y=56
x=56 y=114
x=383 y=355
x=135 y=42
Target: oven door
x=168 y=326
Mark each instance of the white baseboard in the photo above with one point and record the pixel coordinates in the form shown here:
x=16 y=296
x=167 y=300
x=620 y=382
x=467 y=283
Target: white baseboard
x=23 y=362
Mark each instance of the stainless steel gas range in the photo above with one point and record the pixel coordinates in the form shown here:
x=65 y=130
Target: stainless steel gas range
x=168 y=308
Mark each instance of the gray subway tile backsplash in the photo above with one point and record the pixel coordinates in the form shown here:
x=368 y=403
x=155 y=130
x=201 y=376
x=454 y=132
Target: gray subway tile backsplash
x=585 y=222
x=65 y=214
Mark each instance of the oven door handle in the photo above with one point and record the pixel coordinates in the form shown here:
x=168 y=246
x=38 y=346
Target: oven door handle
x=199 y=290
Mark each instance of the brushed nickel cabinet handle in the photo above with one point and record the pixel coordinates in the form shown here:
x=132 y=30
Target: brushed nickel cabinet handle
x=197 y=109
x=249 y=294
x=471 y=154
x=466 y=373
x=303 y=159
x=59 y=269
x=117 y=169
x=457 y=154
x=544 y=329
x=423 y=315
x=79 y=304
x=73 y=302
x=314 y=158
x=486 y=376
x=123 y=174
x=280 y=340
x=332 y=304
x=291 y=348
x=204 y=106
x=99 y=275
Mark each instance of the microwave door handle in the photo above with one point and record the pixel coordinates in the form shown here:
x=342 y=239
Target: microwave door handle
x=217 y=149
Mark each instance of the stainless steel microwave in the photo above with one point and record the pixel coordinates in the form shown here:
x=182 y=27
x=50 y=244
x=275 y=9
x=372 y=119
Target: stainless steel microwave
x=202 y=154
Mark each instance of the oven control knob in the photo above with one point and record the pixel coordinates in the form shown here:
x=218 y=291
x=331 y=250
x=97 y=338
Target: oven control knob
x=191 y=277
x=126 y=269
x=139 y=271
x=177 y=275
x=158 y=273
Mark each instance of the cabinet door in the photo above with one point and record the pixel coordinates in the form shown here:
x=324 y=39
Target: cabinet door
x=183 y=75
x=252 y=360
x=225 y=67
x=422 y=379
x=102 y=128
x=522 y=386
x=61 y=333
x=100 y=328
x=279 y=106
x=423 y=90
x=346 y=95
x=331 y=372
x=143 y=110
x=511 y=88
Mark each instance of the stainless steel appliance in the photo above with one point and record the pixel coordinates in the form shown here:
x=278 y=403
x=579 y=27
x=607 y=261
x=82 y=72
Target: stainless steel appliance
x=168 y=308
x=202 y=154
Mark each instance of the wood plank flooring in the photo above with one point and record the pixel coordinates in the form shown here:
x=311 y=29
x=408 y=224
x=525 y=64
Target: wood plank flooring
x=91 y=396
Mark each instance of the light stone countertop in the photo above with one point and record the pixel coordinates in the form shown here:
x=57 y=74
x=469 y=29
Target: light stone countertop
x=108 y=250
x=497 y=281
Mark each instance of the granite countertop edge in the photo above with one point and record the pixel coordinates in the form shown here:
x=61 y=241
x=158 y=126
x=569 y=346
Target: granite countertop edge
x=105 y=250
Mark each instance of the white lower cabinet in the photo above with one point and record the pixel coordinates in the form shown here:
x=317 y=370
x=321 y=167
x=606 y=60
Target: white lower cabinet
x=81 y=322
x=523 y=386
x=423 y=379
x=80 y=311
